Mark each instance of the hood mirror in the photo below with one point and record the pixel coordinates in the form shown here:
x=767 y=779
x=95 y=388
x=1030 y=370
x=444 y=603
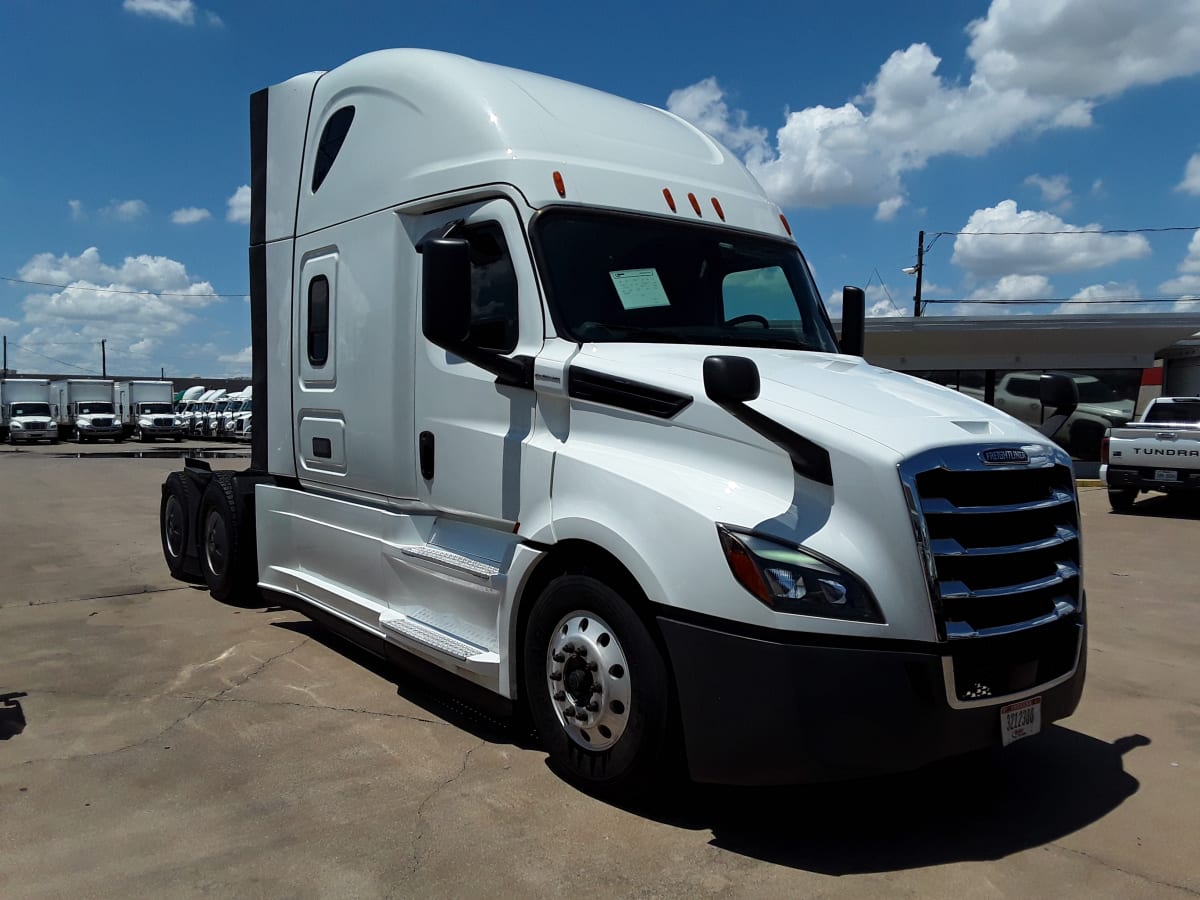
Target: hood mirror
x=730 y=379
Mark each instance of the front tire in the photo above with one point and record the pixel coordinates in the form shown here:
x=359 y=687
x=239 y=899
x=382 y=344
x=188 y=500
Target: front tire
x=596 y=684
x=1122 y=499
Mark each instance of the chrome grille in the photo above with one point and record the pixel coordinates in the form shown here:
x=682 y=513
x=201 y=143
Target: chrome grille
x=1001 y=542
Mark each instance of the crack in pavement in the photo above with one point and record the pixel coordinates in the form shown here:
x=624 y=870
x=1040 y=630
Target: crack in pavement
x=420 y=817
x=124 y=592
x=159 y=734
x=1130 y=872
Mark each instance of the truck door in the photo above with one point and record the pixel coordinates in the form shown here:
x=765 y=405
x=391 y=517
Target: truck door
x=469 y=431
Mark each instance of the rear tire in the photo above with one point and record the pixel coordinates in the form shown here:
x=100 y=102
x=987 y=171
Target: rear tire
x=605 y=728
x=173 y=523
x=1122 y=499
x=227 y=563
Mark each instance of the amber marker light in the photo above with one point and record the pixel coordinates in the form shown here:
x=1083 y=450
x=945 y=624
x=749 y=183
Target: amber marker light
x=695 y=204
x=717 y=207
x=670 y=200
x=562 y=188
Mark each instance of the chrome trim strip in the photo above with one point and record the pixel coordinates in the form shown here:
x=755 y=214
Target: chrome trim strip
x=955 y=703
x=951 y=548
x=956 y=590
x=957 y=631
x=940 y=506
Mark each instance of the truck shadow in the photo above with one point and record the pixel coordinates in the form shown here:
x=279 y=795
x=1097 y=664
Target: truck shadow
x=1166 y=506
x=12 y=716
x=983 y=806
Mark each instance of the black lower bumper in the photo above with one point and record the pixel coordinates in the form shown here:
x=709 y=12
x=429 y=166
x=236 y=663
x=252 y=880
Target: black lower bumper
x=1144 y=480
x=768 y=710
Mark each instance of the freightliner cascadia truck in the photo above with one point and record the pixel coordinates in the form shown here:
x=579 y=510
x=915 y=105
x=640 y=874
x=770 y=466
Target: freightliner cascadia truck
x=546 y=399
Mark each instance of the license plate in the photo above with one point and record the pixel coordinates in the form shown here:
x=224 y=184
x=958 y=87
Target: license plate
x=1020 y=720
x=1166 y=475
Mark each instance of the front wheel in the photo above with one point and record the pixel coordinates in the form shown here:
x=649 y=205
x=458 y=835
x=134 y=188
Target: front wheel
x=1122 y=499
x=596 y=684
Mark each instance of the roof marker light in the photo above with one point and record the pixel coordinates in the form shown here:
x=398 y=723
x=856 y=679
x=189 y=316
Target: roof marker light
x=695 y=204
x=670 y=199
x=562 y=188
x=786 y=226
x=717 y=207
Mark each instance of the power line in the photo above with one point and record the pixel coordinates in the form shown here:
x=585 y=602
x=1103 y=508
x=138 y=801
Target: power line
x=99 y=290
x=61 y=362
x=1069 y=231
x=1074 y=301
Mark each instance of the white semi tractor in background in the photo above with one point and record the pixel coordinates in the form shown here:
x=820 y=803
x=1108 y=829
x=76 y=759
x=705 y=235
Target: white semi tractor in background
x=25 y=411
x=145 y=410
x=546 y=398
x=83 y=407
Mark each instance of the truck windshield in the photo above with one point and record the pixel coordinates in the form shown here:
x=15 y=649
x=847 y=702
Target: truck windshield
x=1186 y=411
x=95 y=408
x=155 y=408
x=614 y=277
x=30 y=409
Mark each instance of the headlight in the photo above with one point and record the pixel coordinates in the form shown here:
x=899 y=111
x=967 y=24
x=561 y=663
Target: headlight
x=17 y=426
x=791 y=579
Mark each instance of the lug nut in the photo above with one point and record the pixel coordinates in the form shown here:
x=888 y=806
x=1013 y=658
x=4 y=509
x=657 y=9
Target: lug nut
x=568 y=648
x=560 y=696
x=581 y=650
x=558 y=657
x=592 y=667
x=593 y=707
x=556 y=676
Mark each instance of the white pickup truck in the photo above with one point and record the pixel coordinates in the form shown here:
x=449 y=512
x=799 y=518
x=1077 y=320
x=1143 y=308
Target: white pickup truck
x=1159 y=452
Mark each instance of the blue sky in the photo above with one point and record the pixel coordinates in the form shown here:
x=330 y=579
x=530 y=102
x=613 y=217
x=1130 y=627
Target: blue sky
x=126 y=142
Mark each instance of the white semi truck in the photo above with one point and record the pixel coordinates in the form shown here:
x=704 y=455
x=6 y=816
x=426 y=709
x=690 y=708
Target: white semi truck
x=145 y=411
x=83 y=407
x=25 y=411
x=546 y=398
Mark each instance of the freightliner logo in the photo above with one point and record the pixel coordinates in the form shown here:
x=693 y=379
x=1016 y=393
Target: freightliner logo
x=1005 y=456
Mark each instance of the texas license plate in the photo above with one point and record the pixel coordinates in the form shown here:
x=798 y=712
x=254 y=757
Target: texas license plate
x=1166 y=475
x=1020 y=720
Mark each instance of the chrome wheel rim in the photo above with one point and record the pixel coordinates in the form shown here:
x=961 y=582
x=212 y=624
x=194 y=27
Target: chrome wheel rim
x=173 y=527
x=589 y=680
x=214 y=543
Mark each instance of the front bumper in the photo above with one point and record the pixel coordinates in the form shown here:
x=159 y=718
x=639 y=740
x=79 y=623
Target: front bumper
x=1144 y=478
x=161 y=430
x=768 y=709
x=33 y=434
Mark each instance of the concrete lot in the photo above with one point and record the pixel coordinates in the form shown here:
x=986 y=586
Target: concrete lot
x=175 y=746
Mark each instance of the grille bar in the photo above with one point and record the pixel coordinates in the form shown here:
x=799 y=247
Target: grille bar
x=956 y=590
x=951 y=547
x=941 y=506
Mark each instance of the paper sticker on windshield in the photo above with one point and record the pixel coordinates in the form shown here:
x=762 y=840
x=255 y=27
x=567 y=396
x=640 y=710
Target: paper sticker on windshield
x=639 y=288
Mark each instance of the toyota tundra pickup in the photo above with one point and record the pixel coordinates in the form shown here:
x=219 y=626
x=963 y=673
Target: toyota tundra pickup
x=1159 y=452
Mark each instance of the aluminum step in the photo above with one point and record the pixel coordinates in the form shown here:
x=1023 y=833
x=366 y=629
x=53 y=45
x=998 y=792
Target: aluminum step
x=427 y=636
x=452 y=560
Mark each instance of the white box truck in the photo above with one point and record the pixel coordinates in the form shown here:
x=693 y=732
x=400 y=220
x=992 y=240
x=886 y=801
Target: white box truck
x=25 y=411
x=145 y=409
x=547 y=399
x=83 y=407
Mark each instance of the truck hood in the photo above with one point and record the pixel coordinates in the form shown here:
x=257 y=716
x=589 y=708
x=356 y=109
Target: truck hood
x=823 y=396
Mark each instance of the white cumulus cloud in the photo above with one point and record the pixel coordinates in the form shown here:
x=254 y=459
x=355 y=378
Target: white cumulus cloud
x=1191 y=176
x=190 y=215
x=887 y=209
x=126 y=210
x=77 y=213
x=182 y=12
x=133 y=305
x=239 y=206
x=242 y=357
x=1038 y=64
x=1033 y=242
x=1054 y=189
x=1188 y=281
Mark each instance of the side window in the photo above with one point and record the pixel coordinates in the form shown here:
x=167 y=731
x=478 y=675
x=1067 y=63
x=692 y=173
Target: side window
x=493 y=289
x=318 y=321
x=332 y=138
x=1029 y=388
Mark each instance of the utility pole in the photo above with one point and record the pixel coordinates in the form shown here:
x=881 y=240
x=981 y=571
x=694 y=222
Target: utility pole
x=104 y=355
x=5 y=369
x=920 y=272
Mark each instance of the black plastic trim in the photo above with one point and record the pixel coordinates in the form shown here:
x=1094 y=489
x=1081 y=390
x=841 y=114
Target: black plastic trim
x=596 y=387
x=258 y=166
x=808 y=459
x=259 y=364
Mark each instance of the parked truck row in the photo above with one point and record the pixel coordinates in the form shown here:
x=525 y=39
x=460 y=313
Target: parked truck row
x=216 y=413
